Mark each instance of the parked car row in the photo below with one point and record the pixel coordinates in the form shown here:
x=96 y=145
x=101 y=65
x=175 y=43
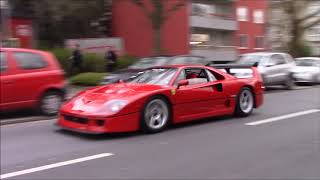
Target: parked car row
x=282 y=69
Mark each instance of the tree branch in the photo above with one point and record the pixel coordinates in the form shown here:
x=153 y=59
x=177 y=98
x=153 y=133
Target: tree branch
x=140 y=4
x=176 y=7
x=309 y=16
x=310 y=25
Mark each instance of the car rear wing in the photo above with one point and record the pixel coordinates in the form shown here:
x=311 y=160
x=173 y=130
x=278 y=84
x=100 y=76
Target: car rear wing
x=237 y=70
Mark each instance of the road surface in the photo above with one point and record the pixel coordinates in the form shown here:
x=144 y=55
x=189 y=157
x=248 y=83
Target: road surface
x=281 y=140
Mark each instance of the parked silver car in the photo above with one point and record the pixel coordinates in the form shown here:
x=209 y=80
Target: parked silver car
x=307 y=70
x=275 y=68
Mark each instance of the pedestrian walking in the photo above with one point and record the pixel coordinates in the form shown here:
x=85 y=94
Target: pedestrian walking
x=76 y=60
x=111 y=60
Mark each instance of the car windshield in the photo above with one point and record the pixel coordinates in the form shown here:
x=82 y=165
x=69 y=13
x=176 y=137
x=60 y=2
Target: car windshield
x=306 y=62
x=149 y=62
x=156 y=76
x=251 y=59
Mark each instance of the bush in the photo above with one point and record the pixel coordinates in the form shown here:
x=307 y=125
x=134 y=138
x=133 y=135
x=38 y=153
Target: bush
x=91 y=62
x=125 y=61
x=306 y=51
x=63 y=57
x=87 y=79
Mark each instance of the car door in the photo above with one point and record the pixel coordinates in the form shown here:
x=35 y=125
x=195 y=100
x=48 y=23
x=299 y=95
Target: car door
x=6 y=81
x=31 y=76
x=200 y=98
x=276 y=71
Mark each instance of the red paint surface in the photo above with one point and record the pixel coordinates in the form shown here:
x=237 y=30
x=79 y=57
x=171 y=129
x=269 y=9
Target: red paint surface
x=23 y=30
x=22 y=88
x=188 y=103
x=129 y=22
x=249 y=27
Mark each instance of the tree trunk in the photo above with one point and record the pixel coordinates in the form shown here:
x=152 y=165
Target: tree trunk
x=296 y=43
x=157 y=41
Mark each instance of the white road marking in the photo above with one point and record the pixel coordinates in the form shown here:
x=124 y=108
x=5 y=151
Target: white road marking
x=55 y=165
x=287 y=116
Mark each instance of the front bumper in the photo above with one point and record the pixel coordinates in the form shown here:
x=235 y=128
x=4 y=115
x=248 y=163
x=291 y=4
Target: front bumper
x=98 y=125
x=303 y=77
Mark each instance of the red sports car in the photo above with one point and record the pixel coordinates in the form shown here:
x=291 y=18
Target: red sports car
x=164 y=95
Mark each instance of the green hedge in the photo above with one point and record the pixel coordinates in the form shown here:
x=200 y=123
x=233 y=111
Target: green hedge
x=87 y=79
x=91 y=62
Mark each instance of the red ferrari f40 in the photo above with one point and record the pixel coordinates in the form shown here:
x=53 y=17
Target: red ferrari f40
x=163 y=95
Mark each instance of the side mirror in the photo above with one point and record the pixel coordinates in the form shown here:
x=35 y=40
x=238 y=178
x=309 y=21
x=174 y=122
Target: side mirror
x=183 y=82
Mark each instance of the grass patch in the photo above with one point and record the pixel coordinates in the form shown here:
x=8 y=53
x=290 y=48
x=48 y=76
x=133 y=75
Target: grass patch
x=87 y=79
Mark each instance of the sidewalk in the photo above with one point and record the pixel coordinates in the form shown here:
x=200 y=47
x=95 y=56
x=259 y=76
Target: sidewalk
x=27 y=116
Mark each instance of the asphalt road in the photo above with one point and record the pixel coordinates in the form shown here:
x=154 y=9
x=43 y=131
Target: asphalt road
x=284 y=147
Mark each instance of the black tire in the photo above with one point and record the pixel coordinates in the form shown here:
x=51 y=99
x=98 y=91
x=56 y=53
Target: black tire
x=290 y=83
x=145 y=121
x=47 y=111
x=239 y=111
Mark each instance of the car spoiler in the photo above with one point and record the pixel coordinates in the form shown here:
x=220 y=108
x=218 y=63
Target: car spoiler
x=237 y=70
x=224 y=66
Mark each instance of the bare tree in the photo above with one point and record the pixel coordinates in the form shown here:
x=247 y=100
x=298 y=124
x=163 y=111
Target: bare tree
x=158 y=16
x=296 y=19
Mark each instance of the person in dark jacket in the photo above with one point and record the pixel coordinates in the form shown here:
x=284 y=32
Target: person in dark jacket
x=111 y=58
x=76 y=59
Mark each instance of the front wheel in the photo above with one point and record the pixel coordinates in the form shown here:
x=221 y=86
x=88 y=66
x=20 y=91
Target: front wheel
x=50 y=103
x=245 y=102
x=155 y=115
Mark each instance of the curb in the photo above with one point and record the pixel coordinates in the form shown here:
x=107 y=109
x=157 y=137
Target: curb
x=24 y=120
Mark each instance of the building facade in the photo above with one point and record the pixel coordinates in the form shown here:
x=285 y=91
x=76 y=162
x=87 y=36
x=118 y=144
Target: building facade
x=219 y=30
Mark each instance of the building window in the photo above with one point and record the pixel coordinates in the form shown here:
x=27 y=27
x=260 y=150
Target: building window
x=242 y=14
x=258 y=17
x=259 y=42
x=243 y=41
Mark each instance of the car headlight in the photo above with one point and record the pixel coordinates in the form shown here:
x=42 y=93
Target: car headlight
x=116 y=105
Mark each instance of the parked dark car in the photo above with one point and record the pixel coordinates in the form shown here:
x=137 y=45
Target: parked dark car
x=145 y=63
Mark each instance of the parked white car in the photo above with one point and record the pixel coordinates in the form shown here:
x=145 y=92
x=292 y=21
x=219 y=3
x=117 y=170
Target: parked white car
x=307 y=70
x=275 y=68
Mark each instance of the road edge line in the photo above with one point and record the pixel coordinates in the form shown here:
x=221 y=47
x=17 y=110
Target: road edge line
x=54 y=165
x=282 y=117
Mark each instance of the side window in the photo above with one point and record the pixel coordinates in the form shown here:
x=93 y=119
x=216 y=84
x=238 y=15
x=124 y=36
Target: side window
x=3 y=62
x=181 y=76
x=211 y=76
x=26 y=60
x=278 y=59
x=196 y=76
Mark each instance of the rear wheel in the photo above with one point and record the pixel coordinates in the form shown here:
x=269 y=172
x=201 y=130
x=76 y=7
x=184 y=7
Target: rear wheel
x=289 y=84
x=50 y=103
x=155 y=115
x=245 y=102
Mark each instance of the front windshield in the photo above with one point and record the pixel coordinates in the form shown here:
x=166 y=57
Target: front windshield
x=149 y=62
x=306 y=62
x=157 y=76
x=251 y=59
